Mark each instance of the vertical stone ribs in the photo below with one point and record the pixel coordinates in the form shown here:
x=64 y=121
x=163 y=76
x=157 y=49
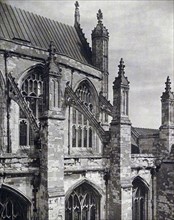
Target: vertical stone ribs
x=105 y=105
x=73 y=100
x=18 y=97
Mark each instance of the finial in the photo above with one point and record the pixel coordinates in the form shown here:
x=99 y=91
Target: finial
x=99 y=16
x=77 y=14
x=121 y=66
x=52 y=49
x=76 y=4
x=168 y=88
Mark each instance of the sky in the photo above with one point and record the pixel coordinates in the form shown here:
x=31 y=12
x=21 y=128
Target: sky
x=141 y=32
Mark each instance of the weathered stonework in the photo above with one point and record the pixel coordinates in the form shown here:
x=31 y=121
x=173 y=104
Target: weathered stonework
x=47 y=172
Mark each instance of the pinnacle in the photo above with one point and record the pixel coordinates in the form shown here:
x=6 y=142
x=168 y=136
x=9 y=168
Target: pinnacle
x=76 y=4
x=77 y=14
x=99 y=16
x=121 y=66
x=52 y=49
x=168 y=88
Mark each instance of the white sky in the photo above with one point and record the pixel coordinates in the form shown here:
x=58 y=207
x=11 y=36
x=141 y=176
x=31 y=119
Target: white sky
x=140 y=31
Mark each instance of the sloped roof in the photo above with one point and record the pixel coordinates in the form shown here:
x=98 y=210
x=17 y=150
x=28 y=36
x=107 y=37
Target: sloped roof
x=17 y=24
x=144 y=131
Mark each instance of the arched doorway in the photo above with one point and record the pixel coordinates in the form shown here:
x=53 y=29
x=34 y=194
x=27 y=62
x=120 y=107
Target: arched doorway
x=139 y=200
x=83 y=204
x=13 y=205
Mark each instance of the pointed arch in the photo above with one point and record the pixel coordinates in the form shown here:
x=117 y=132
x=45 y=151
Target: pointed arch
x=17 y=192
x=13 y=204
x=96 y=188
x=39 y=66
x=140 y=199
x=31 y=85
x=83 y=203
x=82 y=116
x=139 y=178
x=87 y=82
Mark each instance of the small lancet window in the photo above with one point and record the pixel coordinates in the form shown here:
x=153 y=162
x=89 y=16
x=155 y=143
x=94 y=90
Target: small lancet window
x=85 y=137
x=73 y=136
x=23 y=133
x=90 y=137
x=79 y=137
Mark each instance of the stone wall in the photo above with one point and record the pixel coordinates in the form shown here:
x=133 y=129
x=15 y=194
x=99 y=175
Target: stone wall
x=90 y=170
x=165 y=190
x=148 y=144
x=17 y=172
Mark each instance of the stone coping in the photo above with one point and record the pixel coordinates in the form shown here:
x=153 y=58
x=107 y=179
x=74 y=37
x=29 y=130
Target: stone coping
x=143 y=156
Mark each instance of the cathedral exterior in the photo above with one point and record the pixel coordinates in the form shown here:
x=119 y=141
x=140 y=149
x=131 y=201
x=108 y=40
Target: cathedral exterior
x=66 y=152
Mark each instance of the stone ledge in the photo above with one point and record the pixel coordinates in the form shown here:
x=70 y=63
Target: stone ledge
x=12 y=156
x=85 y=157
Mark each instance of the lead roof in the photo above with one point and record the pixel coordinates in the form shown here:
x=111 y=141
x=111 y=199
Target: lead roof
x=29 y=28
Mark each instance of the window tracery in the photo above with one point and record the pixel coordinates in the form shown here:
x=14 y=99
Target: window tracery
x=83 y=204
x=32 y=90
x=83 y=135
x=140 y=200
x=12 y=207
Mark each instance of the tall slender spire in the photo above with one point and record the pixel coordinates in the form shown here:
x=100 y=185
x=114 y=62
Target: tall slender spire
x=77 y=14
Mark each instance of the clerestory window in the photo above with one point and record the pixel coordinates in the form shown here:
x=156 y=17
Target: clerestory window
x=83 y=134
x=32 y=90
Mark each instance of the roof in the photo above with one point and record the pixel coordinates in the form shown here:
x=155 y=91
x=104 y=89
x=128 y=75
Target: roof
x=144 y=131
x=17 y=24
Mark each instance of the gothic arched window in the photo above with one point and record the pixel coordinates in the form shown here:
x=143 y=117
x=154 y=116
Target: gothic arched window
x=32 y=90
x=83 y=204
x=82 y=133
x=12 y=206
x=139 y=200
